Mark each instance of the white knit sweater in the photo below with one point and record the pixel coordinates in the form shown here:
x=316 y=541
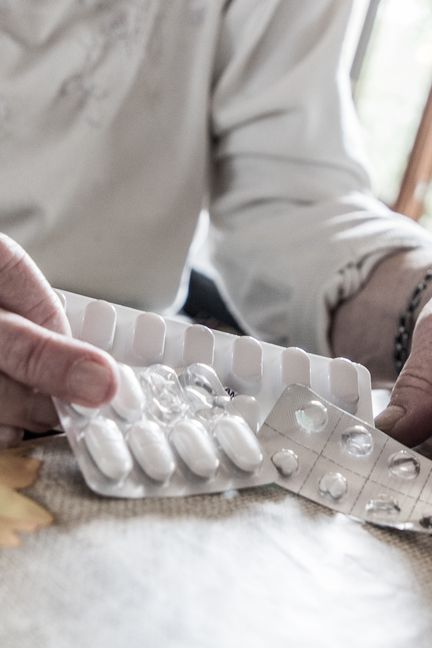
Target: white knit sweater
x=121 y=119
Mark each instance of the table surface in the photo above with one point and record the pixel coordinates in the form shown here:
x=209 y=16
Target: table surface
x=261 y=568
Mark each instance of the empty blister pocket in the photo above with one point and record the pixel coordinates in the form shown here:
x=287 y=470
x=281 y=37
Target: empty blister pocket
x=255 y=414
x=327 y=455
x=183 y=437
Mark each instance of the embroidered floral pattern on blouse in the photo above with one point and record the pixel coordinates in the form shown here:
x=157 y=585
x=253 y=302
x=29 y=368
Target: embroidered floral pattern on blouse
x=95 y=47
x=122 y=31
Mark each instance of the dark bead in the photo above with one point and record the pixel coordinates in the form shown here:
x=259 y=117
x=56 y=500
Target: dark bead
x=406 y=322
x=417 y=290
x=405 y=338
x=414 y=304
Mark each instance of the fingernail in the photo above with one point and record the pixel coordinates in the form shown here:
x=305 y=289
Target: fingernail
x=389 y=417
x=90 y=382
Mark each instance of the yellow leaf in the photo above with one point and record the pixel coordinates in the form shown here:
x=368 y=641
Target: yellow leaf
x=16 y=471
x=18 y=512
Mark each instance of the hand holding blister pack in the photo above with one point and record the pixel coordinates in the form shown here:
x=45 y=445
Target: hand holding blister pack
x=199 y=411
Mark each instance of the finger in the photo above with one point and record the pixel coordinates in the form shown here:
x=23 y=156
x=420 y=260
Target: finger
x=408 y=417
x=25 y=290
x=10 y=436
x=55 y=364
x=23 y=407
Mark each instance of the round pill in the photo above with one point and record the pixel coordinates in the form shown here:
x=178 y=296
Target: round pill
x=151 y=450
x=108 y=448
x=129 y=399
x=286 y=461
x=333 y=484
x=194 y=446
x=238 y=442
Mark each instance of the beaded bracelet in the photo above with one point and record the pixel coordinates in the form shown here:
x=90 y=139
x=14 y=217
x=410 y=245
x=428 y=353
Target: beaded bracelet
x=406 y=324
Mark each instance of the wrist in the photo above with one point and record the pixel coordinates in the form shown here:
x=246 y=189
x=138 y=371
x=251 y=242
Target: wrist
x=364 y=328
x=408 y=319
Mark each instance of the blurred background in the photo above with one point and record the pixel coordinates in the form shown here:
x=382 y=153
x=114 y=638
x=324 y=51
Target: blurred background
x=392 y=81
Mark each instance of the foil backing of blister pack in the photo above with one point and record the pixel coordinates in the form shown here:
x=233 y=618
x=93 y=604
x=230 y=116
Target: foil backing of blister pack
x=375 y=478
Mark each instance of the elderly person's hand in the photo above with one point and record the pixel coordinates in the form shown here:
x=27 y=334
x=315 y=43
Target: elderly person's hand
x=408 y=417
x=38 y=358
x=365 y=327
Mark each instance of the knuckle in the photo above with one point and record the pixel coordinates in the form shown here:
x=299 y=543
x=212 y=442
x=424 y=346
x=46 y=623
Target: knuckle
x=46 y=312
x=414 y=377
x=34 y=361
x=24 y=356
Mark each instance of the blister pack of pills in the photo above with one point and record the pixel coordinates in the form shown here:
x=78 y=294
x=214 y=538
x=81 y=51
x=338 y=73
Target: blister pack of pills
x=335 y=459
x=200 y=411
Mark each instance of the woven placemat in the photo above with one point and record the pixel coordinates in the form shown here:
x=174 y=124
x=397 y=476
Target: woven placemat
x=255 y=568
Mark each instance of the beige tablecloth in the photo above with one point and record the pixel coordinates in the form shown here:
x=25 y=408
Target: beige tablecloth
x=262 y=568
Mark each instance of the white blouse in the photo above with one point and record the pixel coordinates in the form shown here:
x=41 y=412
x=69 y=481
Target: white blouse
x=121 y=119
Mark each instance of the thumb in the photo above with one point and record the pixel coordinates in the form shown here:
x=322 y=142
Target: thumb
x=408 y=417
